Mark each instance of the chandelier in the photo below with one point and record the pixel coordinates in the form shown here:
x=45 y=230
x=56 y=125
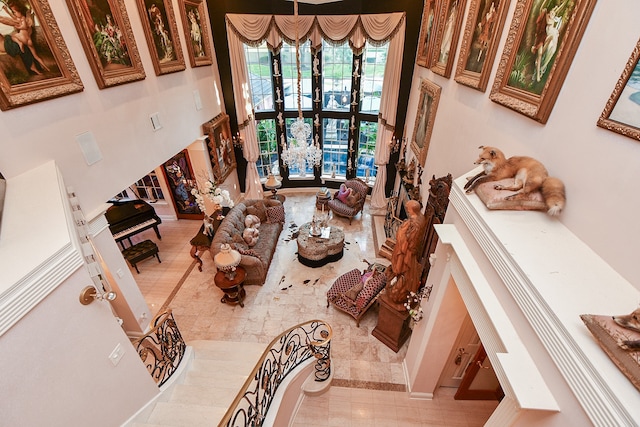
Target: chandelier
x=300 y=151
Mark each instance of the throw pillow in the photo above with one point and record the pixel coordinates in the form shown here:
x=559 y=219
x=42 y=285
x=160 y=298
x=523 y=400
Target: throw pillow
x=372 y=286
x=238 y=242
x=352 y=294
x=343 y=193
x=495 y=199
x=258 y=209
x=250 y=236
x=249 y=252
x=252 y=221
x=352 y=199
x=275 y=214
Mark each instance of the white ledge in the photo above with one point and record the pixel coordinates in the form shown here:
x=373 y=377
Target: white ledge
x=37 y=251
x=553 y=277
x=518 y=374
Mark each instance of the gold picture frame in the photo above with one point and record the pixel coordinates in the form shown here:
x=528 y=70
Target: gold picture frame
x=482 y=31
x=220 y=143
x=620 y=113
x=107 y=38
x=425 y=118
x=196 y=32
x=542 y=41
x=161 y=32
x=42 y=69
x=449 y=21
x=425 y=42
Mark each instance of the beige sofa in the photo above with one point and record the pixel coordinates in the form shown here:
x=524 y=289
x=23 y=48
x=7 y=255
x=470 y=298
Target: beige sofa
x=254 y=260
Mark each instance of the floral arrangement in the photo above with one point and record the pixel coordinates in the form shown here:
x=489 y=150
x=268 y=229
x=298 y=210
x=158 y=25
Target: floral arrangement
x=414 y=300
x=218 y=196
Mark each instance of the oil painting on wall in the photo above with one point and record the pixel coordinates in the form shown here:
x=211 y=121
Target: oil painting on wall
x=542 y=41
x=425 y=118
x=107 y=39
x=196 y=31
x=179 y=175
x=480 y=42
x=622 y=112
x=220 y=143
x=34 y=60
x=161 y=32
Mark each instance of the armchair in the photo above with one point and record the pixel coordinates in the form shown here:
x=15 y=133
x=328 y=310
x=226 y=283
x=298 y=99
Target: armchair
x=341 y=208
x=354 y=292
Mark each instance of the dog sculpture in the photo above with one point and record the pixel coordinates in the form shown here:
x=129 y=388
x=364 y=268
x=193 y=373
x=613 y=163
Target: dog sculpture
x=529 y=175
x=632 y=322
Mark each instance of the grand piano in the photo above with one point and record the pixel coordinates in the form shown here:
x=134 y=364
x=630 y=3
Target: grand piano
x=128 y=217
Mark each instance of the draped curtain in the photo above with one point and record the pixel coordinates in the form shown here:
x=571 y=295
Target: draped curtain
x=356 y=29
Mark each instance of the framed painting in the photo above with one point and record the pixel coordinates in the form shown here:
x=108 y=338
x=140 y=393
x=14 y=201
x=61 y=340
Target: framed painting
x=180 y=179
x=425 y=117
x=425 y=42
x=541 y=43
x=196 y=31
x=35 y=63
x=482 y=31
x=161 y=32
x=107 y=39
x=220 y=143
x=622 y=112
x=446 y=38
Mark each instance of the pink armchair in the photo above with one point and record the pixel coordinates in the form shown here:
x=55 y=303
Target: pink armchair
x=342 y=209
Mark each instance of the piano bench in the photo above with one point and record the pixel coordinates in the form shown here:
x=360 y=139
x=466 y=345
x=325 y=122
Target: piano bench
x=140 y=251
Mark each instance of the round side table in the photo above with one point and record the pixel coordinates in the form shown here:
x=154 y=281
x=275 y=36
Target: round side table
x=233 y=289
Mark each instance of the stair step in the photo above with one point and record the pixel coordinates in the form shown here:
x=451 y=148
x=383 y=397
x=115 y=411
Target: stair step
x=182 y=414
x=213 y=378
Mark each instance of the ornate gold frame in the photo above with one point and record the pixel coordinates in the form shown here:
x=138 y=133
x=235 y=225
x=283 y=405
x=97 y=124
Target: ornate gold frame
x=19 y=86
x=605 y=121
x=110 y=73
x=173 y=59
x=515 y=86
x=193 y=13
x=425 y=118
x=481 y=18
x=448 y=25
x=425 y=42
x=220 y=144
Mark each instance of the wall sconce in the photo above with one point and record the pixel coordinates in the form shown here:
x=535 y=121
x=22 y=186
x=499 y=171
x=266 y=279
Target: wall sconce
x=238 y=141
x=90 y=293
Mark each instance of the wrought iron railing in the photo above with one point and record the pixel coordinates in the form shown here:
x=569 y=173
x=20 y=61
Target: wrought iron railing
x=162 y=348
x=283 y=355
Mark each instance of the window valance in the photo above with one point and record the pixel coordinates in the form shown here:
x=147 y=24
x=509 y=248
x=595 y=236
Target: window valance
x=377 y=29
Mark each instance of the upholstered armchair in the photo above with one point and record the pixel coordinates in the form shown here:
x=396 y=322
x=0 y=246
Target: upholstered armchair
x=355 y=291
x=358 y=189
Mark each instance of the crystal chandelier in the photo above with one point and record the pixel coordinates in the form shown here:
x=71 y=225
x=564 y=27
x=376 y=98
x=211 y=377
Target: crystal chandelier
x=300 y=152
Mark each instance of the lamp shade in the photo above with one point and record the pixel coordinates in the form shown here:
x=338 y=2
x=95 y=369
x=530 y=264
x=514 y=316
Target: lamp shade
x=227 y=259
x=272 y=182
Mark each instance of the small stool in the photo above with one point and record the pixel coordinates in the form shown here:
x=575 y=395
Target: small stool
x=140 y=251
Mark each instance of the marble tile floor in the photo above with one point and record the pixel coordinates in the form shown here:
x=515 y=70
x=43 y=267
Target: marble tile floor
x=363 y=366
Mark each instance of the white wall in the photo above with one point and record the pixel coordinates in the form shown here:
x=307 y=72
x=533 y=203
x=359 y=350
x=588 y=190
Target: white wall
x=56 y=369
x=118 y=117
x=597 y=166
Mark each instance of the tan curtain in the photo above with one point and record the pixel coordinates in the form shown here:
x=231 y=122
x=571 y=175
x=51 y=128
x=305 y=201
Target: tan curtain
x=357 y=29
x=244 y=113
x=387 y=118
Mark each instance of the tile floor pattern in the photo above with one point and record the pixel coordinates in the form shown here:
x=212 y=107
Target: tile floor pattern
x=368 y=387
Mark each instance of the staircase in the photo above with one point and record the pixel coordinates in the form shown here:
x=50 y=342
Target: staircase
x=202 y=394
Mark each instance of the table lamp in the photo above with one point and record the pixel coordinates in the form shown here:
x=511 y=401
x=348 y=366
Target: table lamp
x=273 y=184
x=227 y=260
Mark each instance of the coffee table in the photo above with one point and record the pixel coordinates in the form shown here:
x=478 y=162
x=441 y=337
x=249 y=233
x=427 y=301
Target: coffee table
x=317 y=251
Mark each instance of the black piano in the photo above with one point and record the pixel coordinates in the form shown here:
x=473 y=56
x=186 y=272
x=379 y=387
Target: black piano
x=128 y=217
